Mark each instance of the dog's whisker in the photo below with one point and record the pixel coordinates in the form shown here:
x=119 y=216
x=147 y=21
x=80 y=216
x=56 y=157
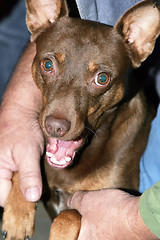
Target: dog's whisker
x=91 y=131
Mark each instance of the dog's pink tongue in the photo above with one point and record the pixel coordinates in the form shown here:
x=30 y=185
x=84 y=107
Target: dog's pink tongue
x=60 y=153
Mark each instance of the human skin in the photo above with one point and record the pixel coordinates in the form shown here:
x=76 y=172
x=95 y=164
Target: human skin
x=21 y=140
x=110 y=214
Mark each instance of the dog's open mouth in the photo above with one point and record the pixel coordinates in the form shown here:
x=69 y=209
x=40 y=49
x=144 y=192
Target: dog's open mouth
x=60 y=154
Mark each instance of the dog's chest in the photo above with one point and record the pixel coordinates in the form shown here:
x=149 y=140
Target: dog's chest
x=59 y=200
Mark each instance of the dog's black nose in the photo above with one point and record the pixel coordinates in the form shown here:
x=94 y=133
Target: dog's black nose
x=56 y=127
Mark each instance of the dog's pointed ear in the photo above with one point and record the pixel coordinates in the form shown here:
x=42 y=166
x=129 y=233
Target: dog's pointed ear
x=140 y=26
x=42 y=13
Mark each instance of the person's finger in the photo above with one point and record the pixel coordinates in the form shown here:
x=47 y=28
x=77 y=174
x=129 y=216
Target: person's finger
x=30 y=176
x=5 y=185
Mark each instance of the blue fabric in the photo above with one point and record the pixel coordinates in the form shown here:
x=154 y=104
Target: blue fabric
x=104 y=11
x=13 y=38
x=150 y=161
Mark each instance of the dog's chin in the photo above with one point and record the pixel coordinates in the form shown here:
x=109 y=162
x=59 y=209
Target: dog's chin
x=60 y=154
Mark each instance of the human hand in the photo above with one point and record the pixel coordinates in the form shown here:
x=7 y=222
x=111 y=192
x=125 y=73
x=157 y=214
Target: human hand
x=21 y=145
x=109 y=214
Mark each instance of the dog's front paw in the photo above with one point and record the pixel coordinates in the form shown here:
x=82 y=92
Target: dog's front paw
x=19 y=216
x=66 y=226
x=18 y=221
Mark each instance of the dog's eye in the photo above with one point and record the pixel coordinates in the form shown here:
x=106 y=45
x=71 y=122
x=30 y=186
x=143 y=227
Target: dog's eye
x=47 y=65
x=102 y=79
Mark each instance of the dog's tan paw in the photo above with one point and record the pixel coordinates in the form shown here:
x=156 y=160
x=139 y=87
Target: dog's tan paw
x=66 y=226
x=19 y=215
x=18 y=222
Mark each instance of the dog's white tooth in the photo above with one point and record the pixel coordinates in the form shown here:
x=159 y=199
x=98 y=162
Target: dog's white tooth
x=49 y=154
x=53 y=160
x=68 y=159
x=62 y=162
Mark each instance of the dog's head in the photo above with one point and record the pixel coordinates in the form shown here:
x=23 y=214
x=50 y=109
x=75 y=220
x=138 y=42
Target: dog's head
x=81 y=68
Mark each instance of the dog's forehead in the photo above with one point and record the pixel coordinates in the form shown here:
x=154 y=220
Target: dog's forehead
x=69 y=35
x=81 y=42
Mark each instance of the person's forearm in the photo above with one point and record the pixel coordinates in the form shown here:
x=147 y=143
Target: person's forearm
x=22 y=91
x=21 y=140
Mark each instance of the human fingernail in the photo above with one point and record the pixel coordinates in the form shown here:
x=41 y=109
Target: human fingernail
x=32 y=194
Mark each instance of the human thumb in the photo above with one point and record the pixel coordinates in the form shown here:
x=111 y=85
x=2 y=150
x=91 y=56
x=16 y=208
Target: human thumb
x=30 y=177
x=75 y=201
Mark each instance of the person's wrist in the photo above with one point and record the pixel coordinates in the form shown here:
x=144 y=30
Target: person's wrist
x=132 y=217
x=11 y=113
x=124 y=212
x=31 y=102
x=22 y=99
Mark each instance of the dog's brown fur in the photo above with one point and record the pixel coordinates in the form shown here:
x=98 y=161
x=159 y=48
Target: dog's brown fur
x=114 y=118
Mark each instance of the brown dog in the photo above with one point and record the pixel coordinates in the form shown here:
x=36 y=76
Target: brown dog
x=96 y=127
